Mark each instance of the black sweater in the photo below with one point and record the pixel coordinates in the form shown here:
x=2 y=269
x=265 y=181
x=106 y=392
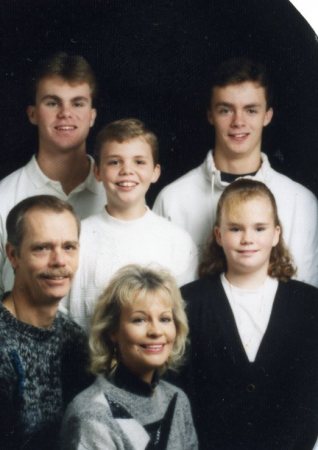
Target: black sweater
x=271 y=403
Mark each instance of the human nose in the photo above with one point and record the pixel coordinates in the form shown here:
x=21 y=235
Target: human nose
x=126 y=167
x=237 y=118
x=246 y=237
x=64 y=110
x=154 y=328
x=57 y=258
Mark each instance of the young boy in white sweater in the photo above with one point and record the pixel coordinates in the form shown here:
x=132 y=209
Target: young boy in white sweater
x=126 y=231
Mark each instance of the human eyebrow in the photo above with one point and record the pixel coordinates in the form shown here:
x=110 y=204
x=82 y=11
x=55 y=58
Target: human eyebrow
x=51 y=97
x=41 y=245
x=261 y=224
x=223 y=104
x=253 y=106
x=74 y=244
x=80 y=98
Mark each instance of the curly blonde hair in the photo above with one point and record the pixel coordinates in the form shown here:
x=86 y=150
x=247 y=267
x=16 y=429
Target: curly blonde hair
x=241 y=190
x=131 y=282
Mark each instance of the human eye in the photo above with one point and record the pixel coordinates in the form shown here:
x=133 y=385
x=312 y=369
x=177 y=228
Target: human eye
x=252 y=110
x=40 y=248
x=138 y=320
x=224 y=111
x=234 y=228
x=113 y=162
x=79 y=103
x=166 y=319
x=141 y=161
x=70 y=247
x=260 y=228
x=51 y=103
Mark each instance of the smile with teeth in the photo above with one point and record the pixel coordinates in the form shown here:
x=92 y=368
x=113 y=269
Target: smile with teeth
x=65 y=127
x=52 y=276
x=153 y=348
x=127 y=183
x=238 y=135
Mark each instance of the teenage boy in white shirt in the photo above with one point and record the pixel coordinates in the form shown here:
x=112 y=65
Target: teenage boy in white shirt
x=126 y=231
x=240 y=107
x=63 y=91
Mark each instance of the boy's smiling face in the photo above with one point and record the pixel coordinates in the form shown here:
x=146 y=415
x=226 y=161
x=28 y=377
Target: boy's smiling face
x=63 y=113
x=239 y=113
x=127 y=169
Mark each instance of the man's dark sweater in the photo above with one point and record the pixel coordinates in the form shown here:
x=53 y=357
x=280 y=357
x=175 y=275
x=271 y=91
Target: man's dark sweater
x=41 y=370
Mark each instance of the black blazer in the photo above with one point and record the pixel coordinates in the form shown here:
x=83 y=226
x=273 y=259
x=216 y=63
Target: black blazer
x=269 y=404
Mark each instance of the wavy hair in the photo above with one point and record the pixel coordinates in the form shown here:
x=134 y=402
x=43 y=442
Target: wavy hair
x=131 y=282
x=242 y=190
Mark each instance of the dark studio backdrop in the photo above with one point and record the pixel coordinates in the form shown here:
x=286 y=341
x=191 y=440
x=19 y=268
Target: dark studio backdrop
x=153 y=60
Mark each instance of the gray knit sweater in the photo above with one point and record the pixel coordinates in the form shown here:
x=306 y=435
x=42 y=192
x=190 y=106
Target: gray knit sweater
x=124 y=413
x=40 y=371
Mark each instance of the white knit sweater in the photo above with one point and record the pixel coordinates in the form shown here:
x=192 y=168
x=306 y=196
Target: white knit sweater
x=108 y=244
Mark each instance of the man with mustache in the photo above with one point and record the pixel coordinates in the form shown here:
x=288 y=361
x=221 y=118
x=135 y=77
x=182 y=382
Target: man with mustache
x=43 y=354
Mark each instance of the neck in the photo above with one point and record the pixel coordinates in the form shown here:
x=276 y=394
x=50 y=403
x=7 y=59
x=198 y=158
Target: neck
x=237 y=164
x=246 y=280
x=127 y=214
x=27 y=312
x=69 y=168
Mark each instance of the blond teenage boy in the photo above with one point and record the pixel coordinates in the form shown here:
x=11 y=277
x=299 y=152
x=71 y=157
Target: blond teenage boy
x=126 y=231
x=61 y=108
x=240 y=107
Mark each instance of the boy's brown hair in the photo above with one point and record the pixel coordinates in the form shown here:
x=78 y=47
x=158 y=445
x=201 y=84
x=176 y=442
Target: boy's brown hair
x=72 y=68
x=123 y=130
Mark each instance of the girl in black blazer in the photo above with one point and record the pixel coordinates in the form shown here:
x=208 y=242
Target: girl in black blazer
x=252 y=370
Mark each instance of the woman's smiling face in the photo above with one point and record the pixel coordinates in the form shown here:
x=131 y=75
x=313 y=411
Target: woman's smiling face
x=146 y=334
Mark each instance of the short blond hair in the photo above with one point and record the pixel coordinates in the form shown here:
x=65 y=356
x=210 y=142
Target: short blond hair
x=127 y=284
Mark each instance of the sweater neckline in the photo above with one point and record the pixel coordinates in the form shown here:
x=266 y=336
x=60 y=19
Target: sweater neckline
x=123 y=378
x=126 y=223
x=25 y=328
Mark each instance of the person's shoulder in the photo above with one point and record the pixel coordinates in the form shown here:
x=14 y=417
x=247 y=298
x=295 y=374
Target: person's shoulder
x=168 y=226
x=12 y=177
x=86 y=401
x=281 y=182
x=304 y=295
x=92 y=225
x=170 y=389
x=297 y=286
x=192 y=178
x=69 y=328
x=203 y=283
x=94 y=219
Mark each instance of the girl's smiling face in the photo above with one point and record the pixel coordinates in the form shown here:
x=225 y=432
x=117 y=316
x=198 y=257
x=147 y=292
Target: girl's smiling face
x=146 y=334
x=247 y=233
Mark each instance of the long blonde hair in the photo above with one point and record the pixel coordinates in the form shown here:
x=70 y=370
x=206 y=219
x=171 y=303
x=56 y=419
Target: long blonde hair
x=214 y=261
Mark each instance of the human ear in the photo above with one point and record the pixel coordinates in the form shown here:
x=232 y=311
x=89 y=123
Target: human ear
x=156 y=173
x=276 y=235
x=217 y=234
x=93 y=117
x=12 y=254
x=210 y=116
x=31 y=113
x=268 y=116
x=97 y=171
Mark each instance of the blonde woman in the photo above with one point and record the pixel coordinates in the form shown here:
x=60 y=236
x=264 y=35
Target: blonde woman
x=139 y=330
